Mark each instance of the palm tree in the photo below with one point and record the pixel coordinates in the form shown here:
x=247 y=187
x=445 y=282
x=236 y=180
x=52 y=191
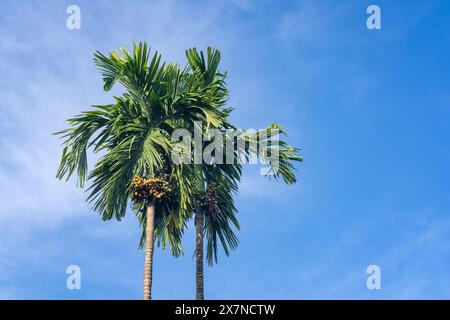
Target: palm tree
x=216 y=184
x=215 y=212
x=133 y=136
x=205 y=68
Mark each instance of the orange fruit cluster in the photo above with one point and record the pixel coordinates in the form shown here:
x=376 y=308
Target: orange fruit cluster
x=149 y=189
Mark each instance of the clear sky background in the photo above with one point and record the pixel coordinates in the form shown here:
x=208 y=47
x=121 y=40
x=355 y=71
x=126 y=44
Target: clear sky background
x=369 y=109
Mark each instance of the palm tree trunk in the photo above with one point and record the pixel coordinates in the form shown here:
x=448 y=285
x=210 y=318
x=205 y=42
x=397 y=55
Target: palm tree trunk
x=199 y=275
x=148 y=266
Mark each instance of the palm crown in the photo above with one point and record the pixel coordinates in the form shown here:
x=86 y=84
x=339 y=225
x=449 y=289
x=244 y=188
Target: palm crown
x=133 y=136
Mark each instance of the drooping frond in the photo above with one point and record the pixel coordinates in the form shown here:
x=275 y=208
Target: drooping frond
x=272 y=151
x=78 y=138
x=220 y=222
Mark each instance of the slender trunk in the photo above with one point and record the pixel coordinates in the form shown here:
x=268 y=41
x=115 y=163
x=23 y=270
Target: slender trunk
x=199 y=276
x=148 y=266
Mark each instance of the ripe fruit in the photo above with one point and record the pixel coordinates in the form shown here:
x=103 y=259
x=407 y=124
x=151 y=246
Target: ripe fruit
x=148 y=189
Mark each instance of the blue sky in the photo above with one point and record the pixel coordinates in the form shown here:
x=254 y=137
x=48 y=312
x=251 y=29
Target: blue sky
x=369 y=109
